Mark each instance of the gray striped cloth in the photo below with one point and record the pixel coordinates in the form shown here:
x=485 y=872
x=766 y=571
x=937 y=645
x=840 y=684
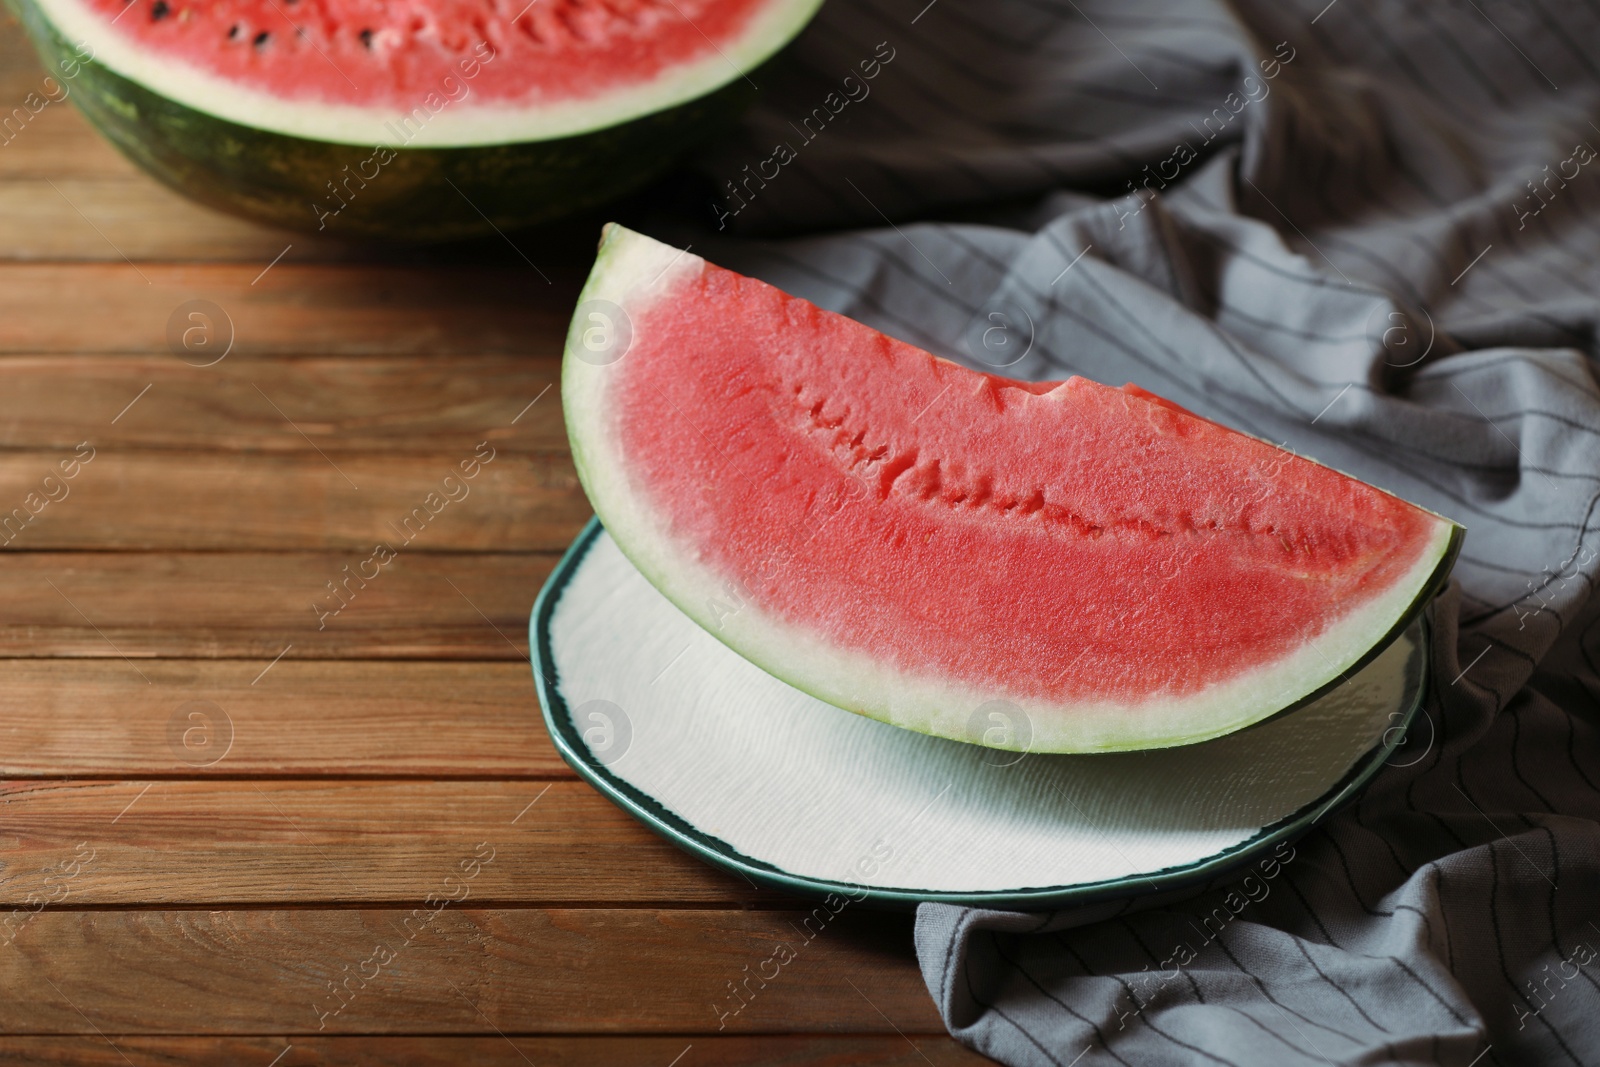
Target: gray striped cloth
x=1363 y=229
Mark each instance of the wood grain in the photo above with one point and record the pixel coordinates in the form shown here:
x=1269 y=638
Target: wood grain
x=97 y=718
x=128 y=217
x=353 y=310
x=116 y=214
x=222 y=898
x=123 y=216
x=527 y=970
x=58 y=142
x=696 y=1050
x=428 y=404
x=202 y=501
x=344 y=841
x=130 y=607
x=19 y=68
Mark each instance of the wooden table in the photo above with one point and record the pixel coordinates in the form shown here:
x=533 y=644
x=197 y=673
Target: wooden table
x=237 y=830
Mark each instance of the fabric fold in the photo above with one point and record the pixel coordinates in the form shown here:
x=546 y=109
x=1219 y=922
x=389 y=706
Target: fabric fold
x=1363 y=230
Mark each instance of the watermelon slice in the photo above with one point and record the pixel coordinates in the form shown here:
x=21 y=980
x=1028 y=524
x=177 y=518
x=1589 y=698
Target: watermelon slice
x=924 y=544
x=432 y=118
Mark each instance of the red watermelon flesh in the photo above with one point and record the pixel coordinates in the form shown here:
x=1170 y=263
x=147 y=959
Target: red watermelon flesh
x=913 y=540
x=429 y=73
x=377 y=52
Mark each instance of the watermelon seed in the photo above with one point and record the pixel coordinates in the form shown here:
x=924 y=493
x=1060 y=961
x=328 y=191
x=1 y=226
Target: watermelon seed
x=159 y=11
x=233 y=34
x=261 y=39
x=366 y=39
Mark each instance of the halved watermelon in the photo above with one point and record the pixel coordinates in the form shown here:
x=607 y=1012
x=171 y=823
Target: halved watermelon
x=424 y=119
x=918 y=542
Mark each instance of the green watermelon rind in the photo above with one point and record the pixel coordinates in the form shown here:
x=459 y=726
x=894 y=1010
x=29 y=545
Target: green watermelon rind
x=404 y=193
x=629 y=268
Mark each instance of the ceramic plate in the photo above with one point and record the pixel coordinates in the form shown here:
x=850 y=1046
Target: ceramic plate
x=755 y=776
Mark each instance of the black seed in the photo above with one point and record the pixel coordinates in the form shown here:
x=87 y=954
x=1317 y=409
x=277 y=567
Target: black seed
x=261 y=39
x=159 y=11
x=233 y=34
x=366 y=39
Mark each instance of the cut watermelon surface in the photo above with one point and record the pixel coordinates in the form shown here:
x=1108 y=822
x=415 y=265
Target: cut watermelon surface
x=424 y=119
x=918 y=542
x=349 y=70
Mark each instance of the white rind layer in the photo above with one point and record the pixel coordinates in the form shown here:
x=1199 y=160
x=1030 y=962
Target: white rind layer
x=631 y=271
x=458 y=124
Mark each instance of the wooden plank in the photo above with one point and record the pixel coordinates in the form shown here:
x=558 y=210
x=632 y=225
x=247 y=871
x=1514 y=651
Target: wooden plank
x=364 y=309
x=95 y=718
x=133 y=217
x=53 y=210
x=340 y=841
x=221 y=605
x=20 y=69
x=58 y=141
x=696 y=1050
x=593 y=971
x=402 y=404
x=205 y=501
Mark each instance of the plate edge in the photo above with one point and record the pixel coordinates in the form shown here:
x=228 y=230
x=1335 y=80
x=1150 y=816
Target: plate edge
x=722 y=855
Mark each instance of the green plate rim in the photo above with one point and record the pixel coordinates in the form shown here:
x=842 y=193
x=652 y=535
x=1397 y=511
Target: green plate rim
x=569 y=743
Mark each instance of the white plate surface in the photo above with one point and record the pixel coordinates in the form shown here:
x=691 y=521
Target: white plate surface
x=818 y=793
